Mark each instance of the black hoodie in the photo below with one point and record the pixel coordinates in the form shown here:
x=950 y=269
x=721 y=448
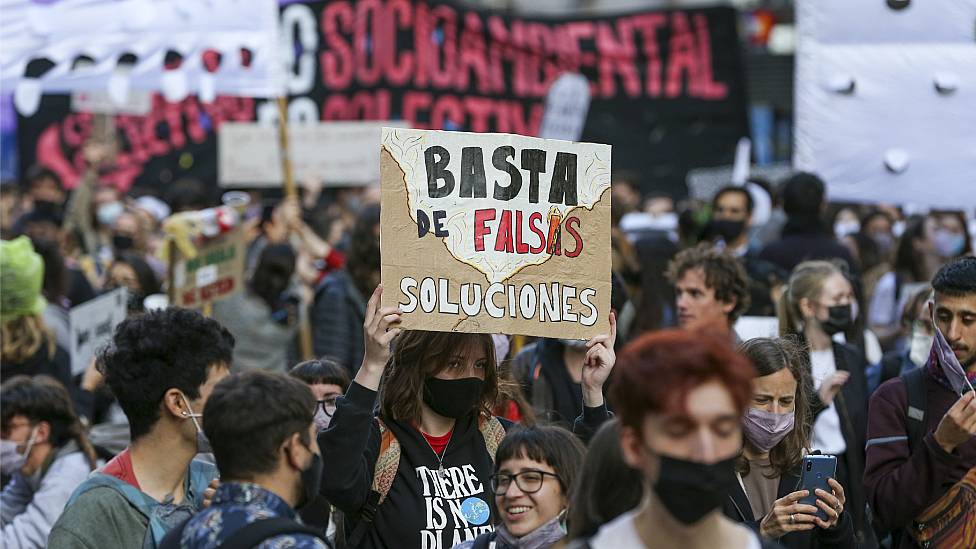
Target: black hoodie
x=421 y=510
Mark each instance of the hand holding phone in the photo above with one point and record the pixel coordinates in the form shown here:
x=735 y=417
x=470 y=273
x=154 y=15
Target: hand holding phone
x=824 y=492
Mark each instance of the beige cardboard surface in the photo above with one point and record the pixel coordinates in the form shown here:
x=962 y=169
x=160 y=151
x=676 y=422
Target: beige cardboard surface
x=215 y=274
x=527 y=289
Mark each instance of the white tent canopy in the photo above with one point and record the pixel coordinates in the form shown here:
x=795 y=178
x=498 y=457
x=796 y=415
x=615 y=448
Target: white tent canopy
x=886 y=100
x=80 y=44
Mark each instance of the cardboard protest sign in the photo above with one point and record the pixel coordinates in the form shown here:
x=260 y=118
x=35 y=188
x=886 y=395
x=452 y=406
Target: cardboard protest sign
x=92 y=325
x=496 y=233
x=216 y=273
x=336 y=153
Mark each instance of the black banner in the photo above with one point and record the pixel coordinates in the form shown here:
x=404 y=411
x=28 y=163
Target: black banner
x=666 y=87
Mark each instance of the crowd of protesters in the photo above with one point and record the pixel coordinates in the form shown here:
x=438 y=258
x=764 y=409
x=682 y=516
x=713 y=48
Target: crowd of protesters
x=674 y=429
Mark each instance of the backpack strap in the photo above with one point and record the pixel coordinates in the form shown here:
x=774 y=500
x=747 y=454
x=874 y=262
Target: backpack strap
x=493 y=432
x=258 y=531
x=384 y=473
x=387 y=462
x=914 y=381
x=173 y=538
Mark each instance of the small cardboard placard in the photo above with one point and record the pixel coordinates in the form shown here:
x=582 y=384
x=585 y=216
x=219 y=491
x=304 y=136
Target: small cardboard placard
x=335 y=153
x=216 y=273
x=92 y=325
x=496 y=233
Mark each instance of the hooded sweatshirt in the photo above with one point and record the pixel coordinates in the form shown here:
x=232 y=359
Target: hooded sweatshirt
x=422 y=509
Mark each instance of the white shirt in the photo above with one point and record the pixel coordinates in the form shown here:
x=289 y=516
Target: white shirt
x=620 y=533
x=827 y=436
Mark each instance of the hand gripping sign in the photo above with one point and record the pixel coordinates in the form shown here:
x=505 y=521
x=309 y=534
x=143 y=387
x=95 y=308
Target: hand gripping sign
x=496 y=233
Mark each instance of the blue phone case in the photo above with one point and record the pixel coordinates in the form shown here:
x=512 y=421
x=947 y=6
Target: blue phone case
x=816 y=470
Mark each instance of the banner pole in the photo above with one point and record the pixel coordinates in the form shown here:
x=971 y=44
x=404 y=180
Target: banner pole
x=286 y=169
x=304 y=326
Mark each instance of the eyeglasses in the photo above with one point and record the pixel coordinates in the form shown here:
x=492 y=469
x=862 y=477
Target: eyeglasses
x=529 y=482
x=328 y=405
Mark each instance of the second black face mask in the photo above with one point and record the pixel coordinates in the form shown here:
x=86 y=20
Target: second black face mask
x=690 y=489
x=839 y=319
x=453 y=398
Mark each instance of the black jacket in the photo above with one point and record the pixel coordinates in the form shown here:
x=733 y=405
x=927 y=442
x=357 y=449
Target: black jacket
x=852 y=408
x=547 y=385
x=420 y=510
x=801 y=243
x=842 y=537
x=337 y=316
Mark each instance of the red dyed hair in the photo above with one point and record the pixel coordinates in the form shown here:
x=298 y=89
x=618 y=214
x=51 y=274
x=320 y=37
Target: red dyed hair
x=656 y=372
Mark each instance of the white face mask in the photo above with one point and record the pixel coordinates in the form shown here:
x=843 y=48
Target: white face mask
x=11 y=460
x=203 y=443
x=846 y=228
x=920 y=347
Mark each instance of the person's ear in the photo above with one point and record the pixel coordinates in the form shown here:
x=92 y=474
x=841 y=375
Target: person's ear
x=806 y=308
x=631 y=447
x=729 y=306
x=294 y=451
x=174 y=402
x=43 y=432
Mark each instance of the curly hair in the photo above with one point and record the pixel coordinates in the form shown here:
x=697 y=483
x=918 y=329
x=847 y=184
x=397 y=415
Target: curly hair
x=161 y=350
x=723 y=273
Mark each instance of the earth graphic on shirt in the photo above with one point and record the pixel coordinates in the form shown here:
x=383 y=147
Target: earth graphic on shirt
x=475 y=511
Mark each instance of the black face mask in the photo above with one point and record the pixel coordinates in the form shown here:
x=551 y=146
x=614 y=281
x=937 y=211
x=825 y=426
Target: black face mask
x=311 y=478
x=727 y=229
x=453 y=398
x=838 y=319
x=122 y=242
x=690 y=490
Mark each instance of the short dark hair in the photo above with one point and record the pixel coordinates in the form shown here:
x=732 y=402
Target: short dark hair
x=803 y=194
x=38 y=172
x=656 y=372
x=724 y=273
x=158 y=351
x=956 y=278
x=548 y=444
x=323 y=370
x=247 y=444
x=750 y=203
x=144 y=273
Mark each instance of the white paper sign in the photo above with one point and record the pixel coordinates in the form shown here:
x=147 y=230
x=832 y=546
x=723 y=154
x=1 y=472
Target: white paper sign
x=137 y=103
x=336 y=153
x=567 y=103
x=751 y=327
x=92 y=325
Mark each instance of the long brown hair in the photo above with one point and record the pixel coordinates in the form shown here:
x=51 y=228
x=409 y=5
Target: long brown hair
x=769 y=356
x=23 y=336
x=42 y=398
x=418 y=355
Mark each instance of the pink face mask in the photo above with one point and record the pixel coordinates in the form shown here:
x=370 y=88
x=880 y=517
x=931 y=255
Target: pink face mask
x=766 y=429
x=953 y=371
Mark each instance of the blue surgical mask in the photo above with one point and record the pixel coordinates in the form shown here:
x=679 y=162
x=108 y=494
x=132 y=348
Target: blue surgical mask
x=948 y=244
x=107 y=214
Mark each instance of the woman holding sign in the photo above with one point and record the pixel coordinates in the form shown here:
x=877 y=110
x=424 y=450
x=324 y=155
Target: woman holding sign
x=417 y=475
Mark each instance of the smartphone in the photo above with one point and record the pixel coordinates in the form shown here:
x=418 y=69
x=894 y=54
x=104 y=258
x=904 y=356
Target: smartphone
x=816 y=470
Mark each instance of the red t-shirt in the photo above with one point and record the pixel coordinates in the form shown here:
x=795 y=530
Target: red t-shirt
x=120 y=467
x=438 y=443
